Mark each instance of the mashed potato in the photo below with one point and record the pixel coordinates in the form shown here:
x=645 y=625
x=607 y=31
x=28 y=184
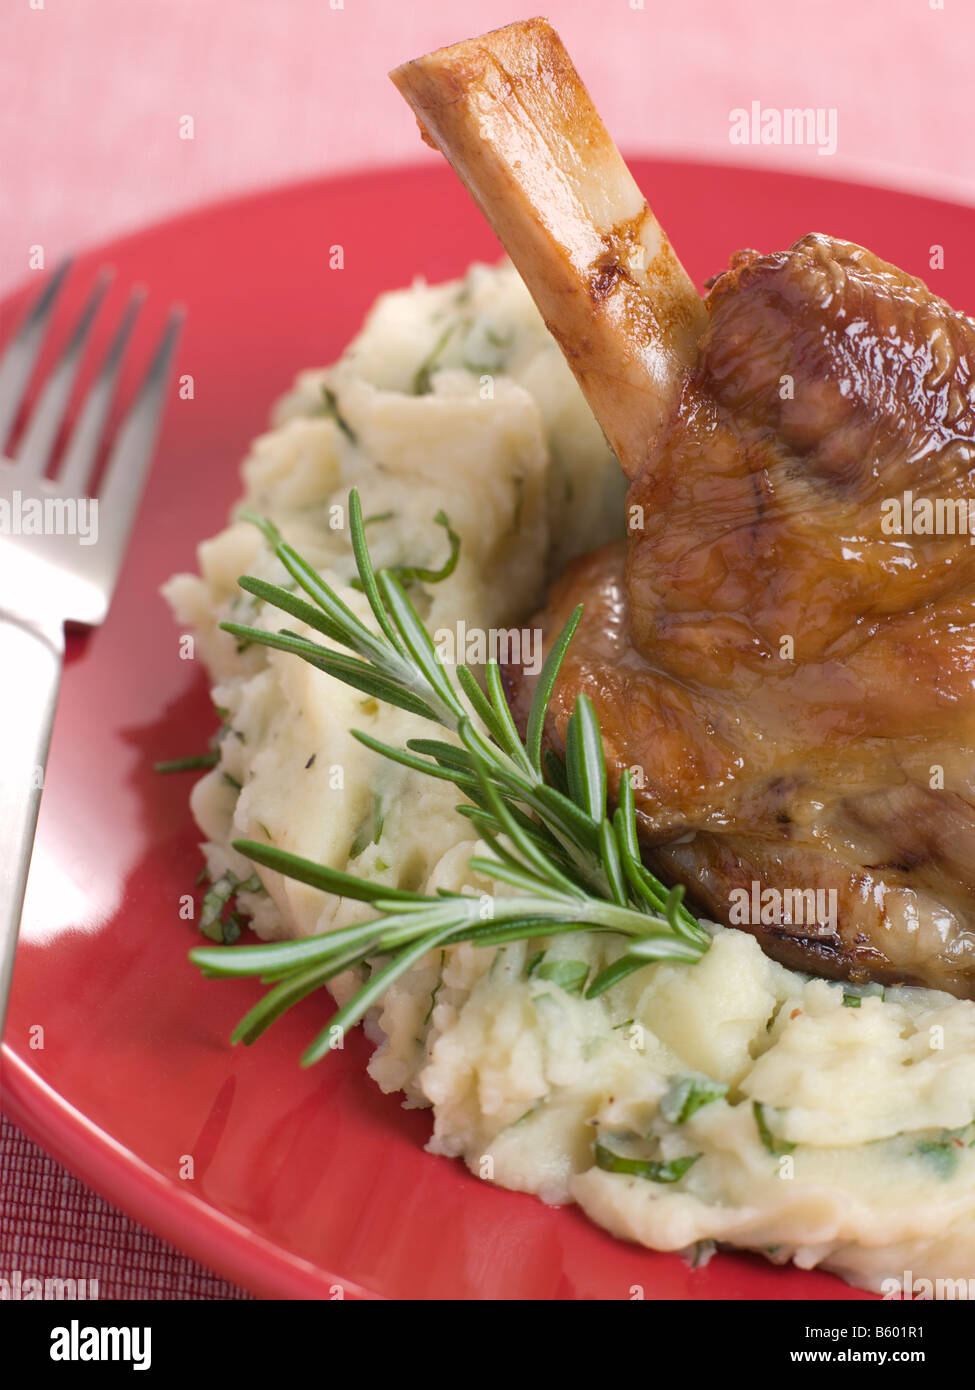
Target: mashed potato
x=730 y=1101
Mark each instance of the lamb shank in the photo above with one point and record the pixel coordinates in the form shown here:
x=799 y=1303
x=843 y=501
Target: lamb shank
x=788 y=677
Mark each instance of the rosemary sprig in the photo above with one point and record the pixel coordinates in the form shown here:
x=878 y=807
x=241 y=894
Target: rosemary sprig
x=565 y=865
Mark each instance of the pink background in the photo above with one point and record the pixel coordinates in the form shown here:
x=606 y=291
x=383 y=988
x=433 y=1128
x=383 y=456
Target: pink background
x=93 y=91
x=93 y=94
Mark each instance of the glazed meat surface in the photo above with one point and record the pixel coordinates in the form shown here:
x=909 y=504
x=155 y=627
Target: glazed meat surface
x=791 y=681
x=789 y=678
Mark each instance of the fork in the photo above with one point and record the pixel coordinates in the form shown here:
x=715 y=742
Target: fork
x=67 y=572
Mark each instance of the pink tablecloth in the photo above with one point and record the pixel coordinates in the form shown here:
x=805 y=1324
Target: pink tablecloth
x=95 y=99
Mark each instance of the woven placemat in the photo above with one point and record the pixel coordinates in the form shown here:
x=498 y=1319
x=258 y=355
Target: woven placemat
x=54 y=1227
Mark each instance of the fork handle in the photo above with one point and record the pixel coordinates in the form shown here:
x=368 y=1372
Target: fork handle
x=30 y=668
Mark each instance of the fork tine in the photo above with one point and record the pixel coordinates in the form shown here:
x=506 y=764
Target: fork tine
x=128 y=462
x=48 y=414
x=19 y=358
x=79 y=459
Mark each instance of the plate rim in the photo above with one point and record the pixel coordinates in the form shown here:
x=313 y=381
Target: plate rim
x=908 y=185
x=163 y=1208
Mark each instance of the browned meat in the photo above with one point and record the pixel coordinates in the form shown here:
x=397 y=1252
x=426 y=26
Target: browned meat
x=795 y=686
x=792 y=683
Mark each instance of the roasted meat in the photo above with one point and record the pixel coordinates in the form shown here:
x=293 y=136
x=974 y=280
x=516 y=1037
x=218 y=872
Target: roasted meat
x=782 y=659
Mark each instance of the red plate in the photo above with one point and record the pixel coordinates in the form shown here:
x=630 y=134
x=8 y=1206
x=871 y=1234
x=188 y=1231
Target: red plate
x=304 y=1180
